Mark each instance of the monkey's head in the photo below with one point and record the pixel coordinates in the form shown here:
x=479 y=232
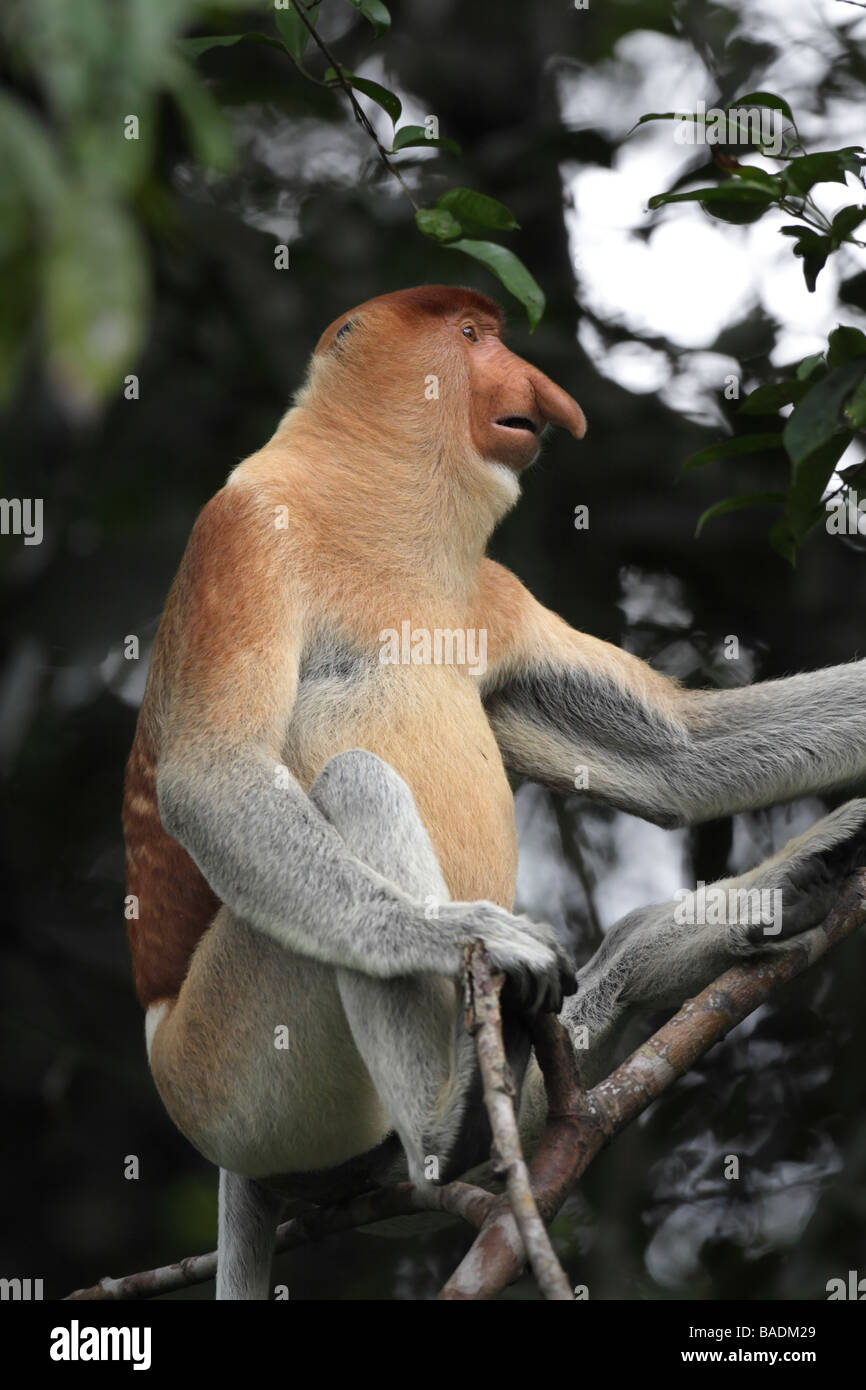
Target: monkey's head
x=429 y=369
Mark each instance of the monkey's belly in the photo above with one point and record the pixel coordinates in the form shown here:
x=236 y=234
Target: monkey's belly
x=255 y=1062
x=430 y=726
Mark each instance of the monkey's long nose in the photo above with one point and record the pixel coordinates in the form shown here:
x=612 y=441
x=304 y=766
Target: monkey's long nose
x=556 y=405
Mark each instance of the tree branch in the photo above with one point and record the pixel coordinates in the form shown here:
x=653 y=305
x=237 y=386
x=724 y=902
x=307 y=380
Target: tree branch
x=581 y=1124
x=484 y=1022
x=456 y=1199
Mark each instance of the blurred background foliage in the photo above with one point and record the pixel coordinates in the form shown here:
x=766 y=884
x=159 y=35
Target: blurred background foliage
x=155 y=257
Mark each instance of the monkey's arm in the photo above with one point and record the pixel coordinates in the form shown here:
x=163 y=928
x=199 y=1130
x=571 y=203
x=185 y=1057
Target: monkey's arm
x=574 y=712
x=226 y=669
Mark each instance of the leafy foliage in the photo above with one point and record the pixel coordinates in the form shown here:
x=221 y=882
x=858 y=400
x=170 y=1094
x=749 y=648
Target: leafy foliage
x=827 y=390
x=79 y=191
x=746 y=192
x=458 y=216
x=828 y=393
x=76 y=166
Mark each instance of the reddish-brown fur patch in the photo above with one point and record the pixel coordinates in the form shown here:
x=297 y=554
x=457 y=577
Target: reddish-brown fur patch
x=432 y=301
x=221 y=615
x=175 y=904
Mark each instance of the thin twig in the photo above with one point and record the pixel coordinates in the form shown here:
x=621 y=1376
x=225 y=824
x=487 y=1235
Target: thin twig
x=456 y=1199
x=484 y=1021
x=360 y=114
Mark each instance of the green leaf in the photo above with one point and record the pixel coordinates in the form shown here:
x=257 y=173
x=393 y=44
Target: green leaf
x=803 y=508
x=750 y=173
x=816 y=418
x=696 y=117
x=95 y=292
x=664 y=116
x=731 y=448
x=510 y=271
x=769 y=99
x=375 y=12
x=735 y=504
x=389 y=101
x=855 y=406
x=209 y=131
x=845 y=221
x=738 y=212
x=782 y=541
x=438 y=223
x=31 y=156
x=826 y=166
x=853 y=290
x=745 y=192
x=410 y=135
x=809 y=365
x=765 y=400
x=193 y=47
x=733 y=201
x=844 y=344
x=475 y=211
x=814 y=248
x=294 y=31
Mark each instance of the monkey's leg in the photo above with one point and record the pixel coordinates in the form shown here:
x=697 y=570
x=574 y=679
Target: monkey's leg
x=248 y=1216
x=408 y=1030
x=664 y=954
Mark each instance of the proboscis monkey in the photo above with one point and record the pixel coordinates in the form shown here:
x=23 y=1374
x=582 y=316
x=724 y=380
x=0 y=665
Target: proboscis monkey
x=317 y=811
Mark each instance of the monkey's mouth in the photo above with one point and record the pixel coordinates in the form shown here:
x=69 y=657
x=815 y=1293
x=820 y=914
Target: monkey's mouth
x=518 y=422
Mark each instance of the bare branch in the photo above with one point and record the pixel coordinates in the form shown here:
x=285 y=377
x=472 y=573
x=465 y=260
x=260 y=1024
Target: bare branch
x=484 y=1021
x=456 y=1199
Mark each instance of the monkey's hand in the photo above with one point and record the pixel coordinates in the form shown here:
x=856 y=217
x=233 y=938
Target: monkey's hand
x=530 y=954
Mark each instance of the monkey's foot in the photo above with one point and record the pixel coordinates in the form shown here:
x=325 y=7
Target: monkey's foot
x=799 y=885
x=663 y=954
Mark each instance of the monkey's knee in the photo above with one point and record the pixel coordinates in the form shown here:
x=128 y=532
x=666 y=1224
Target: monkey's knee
x=374 y=811
x=351 y=783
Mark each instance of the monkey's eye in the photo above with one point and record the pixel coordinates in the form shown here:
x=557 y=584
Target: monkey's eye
x=469 y=332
